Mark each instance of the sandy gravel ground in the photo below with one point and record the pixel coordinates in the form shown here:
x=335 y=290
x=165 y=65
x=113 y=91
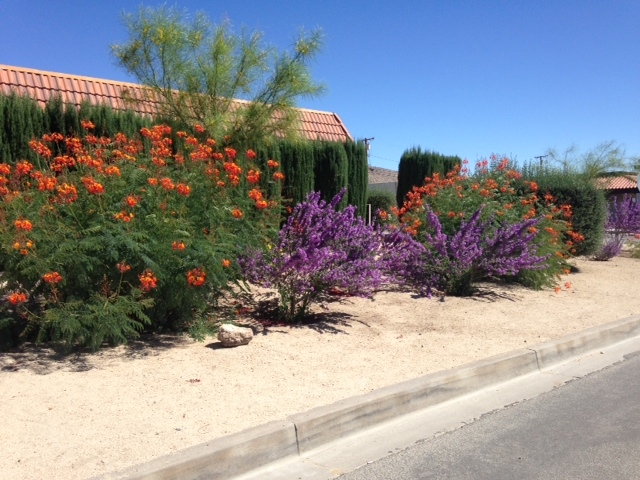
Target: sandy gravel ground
x=80 y=416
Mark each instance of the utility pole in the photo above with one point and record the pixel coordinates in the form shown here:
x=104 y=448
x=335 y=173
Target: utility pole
x=367 y=146
x=541 y=157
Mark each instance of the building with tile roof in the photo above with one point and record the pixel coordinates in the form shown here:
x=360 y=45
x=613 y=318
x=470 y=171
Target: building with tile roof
x=74 y=89
x=620 y=185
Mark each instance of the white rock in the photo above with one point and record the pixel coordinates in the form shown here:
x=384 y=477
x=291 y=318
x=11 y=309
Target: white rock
x=232 y=336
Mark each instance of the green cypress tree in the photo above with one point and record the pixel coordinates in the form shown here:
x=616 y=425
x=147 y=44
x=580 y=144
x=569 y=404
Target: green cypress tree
x=72 y=121
x=54 y=111
x=358 y=175
x=331 y=169
x=415 y=165
x=297 y=164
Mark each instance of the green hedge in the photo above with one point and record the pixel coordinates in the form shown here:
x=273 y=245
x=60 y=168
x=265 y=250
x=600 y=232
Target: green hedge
x=588 y=203
x=308 y=166
x=416 y=164
x=331 y=168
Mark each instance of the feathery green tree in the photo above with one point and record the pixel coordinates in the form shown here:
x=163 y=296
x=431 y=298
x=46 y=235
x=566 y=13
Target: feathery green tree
x=199 y=71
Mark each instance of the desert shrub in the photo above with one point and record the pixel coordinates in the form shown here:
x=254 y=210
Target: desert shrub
x=103 y=241
x=322 y=248
x=381 y=202
x=588 y=203
x=502 y=200
x=477 y=250
x=623 y=218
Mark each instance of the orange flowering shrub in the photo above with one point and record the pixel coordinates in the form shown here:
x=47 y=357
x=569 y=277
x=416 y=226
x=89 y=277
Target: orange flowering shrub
x=505 y=199
x=112 y=234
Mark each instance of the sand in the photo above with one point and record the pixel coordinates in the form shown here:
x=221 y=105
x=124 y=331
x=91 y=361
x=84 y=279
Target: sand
x=83 y=415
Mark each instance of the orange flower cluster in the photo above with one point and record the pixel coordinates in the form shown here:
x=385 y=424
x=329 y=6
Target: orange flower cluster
x=131 y=201
x=17 y=298
x=67 y=193
x=52 y=277
x=234 y=171
x=40 y=148
x=183 y=189
x=87 y=125
x=93 y=187
x=278 y=176
x=25 y=225
x=23 y=168
x=178 y=246
x=237 y=213
x=123 y=267
x=23 y=247
x=226 y=263
x=112 y=170
x=230 y=153
x=251 y=155
x=196 y=277
x=253 y=177
x=126 y=217
x=167 y=184
x=272 y=164
x=148 y=281
x=61 y=162
x=47 y=183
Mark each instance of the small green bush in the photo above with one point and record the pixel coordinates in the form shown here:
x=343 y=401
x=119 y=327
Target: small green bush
x=589 y=206
x=380 y=200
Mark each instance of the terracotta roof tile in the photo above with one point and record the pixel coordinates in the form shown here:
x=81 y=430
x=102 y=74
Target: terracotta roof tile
x=621 y=182
x=41 y=85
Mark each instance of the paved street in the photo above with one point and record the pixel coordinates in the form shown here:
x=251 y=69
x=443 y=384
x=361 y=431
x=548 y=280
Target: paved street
x=586 y=429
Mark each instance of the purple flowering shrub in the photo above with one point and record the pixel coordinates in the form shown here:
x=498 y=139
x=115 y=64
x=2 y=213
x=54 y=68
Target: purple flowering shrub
x=623 y=218
x=477 y=250
x=320 y=248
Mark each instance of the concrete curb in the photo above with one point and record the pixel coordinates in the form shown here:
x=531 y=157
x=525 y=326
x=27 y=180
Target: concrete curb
x=240 y=453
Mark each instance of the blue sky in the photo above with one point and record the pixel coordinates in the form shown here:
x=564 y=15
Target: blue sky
x=465 y=78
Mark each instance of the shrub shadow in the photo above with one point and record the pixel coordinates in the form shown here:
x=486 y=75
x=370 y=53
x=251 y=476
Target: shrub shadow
x=47 y=358
x=260 y=313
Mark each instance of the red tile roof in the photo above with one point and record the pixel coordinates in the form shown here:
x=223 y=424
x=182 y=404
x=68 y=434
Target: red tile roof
x=42 y=86
x=620 y=182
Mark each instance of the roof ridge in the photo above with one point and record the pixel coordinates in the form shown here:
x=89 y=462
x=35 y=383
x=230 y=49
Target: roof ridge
x=71 y=75
x=134 y=85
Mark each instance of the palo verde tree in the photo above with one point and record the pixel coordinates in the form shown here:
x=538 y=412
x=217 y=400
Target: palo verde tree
x=231 y=83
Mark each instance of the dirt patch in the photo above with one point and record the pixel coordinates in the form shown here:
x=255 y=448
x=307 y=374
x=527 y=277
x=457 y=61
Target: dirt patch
x=82 y=415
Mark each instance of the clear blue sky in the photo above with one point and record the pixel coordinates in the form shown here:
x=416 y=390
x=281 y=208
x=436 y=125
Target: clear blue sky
x=465 y=78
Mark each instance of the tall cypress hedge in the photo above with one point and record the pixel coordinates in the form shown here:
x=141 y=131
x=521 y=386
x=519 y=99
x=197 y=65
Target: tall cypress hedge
x=308 y=166
x=331 y=171
x=22 y=119
x=297 y=164
x=416 y=164
x=358 y=178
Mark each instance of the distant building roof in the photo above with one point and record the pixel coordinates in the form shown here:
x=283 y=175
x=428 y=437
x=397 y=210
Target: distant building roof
x=74 y=89
x=382 y=175
x=618 y=182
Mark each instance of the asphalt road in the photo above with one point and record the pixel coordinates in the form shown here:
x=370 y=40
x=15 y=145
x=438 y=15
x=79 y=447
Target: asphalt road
x=586 y=429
